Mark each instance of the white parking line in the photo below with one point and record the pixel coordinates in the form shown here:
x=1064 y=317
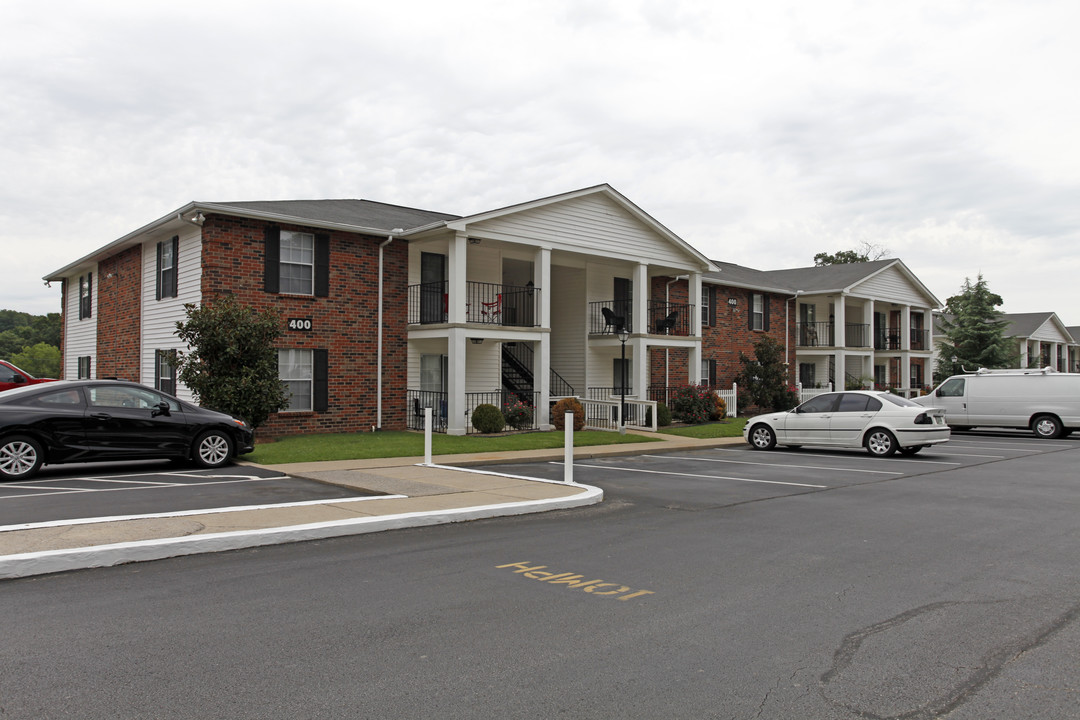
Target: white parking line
x=710 y=477
x=1035 y=446
x=72 y=491
x=795 y=467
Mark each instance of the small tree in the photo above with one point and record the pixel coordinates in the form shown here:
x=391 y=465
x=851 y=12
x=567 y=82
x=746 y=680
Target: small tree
x=866 y=252
x=232 y=365
x=764 y=377
x=973 y=332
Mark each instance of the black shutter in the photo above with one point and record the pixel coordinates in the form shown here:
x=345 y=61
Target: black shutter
x=272 y=259
x=712 y=373
x=322 y=265
x=711 y=320
x=765 y=312
x=157 y=354
x=321 y=400
x=750 y=311
x=157 y=282
x=89 y=294
x=175 y=279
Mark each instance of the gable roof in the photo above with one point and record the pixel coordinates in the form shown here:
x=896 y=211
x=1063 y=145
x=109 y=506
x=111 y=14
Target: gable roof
x=1025 y=325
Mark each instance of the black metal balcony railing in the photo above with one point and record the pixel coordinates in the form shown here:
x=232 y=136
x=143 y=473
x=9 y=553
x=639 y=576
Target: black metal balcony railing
x=670 y=318
x=610 y=316
x=418 y=400
x=887 y=338
x=920 y=339
x=856 y=335
x=485 y=303
x=814 y=334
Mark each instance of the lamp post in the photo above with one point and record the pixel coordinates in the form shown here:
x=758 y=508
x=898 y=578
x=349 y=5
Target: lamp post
x=623 y=335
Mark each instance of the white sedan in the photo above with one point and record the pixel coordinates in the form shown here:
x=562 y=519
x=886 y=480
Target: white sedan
x=881 y=422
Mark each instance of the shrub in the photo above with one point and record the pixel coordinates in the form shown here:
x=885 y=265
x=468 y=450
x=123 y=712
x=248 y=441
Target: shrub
x=663 y=415
x=564 y=406
x=719 y=411
x=518 y=415
x=693 y=404
x=488 y=419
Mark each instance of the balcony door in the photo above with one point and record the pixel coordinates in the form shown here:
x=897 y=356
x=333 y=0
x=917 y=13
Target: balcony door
x=432 y=288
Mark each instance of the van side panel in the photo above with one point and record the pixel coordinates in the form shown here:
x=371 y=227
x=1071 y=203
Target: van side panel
x=1013 y=400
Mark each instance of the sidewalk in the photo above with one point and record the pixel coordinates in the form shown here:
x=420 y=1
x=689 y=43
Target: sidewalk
x=416 y=495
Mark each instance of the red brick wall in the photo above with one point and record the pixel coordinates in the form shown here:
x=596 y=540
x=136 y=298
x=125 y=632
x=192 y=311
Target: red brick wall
x=730 y=334
x=345 y=323
x=119 y=304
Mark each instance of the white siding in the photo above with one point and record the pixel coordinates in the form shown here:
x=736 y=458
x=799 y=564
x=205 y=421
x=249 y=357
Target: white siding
x=159 y=317
x=891 y=285
x=1048 y=332
x=568 y=328
x=80 y=336
x=590 y=225
x=483 y=367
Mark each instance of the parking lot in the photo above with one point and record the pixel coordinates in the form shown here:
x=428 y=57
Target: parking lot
x=738 y=473
x=68 y=492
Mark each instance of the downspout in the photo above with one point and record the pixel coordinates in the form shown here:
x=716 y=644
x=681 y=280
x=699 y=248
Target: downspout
x=667 y=351
x=379 y=334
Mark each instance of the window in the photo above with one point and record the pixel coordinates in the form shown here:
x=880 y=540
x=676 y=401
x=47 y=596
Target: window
x=953 y=387
x=820 y=403
x=164 y=371
x=622 y=373
x=808 y=374
x=850 y=402
x=168 y=252
x=304 y=373
x=297 y=267
x=114 y=396
x=708 y=372
x=706 y=307
x=296 y=372
x=7 y=374
x=297 y=263
x=59 y=398
x=434 y=373
x=84 y=367
x=758 y=313
x=86 y=283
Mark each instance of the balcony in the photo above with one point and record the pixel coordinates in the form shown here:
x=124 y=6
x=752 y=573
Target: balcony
x=823 y=334
x=485 y=304
x=670 y=318
x=608 y=316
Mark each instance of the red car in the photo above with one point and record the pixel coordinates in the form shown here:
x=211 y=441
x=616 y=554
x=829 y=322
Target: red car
x=13 y=377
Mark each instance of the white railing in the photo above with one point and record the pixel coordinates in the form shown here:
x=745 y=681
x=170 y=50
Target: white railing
x=807 y=393
x=730 y=398
x=605 y=414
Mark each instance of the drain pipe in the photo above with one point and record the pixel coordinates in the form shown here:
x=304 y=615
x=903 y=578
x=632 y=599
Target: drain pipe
x=667 y=351
x=379 y=334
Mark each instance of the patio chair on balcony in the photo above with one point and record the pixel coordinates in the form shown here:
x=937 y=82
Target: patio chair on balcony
x=667 y=323
x=492 y=310
x=618 y=322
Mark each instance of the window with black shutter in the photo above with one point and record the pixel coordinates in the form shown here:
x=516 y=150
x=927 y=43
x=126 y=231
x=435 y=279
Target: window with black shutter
x=168 y=254
x=296 y=263
x=86 y=293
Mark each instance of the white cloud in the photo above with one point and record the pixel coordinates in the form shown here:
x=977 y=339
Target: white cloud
x=761 y=133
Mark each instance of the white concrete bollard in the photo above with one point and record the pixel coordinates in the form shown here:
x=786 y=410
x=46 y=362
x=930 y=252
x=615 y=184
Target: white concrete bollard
x=427 y=436
x=568 y=447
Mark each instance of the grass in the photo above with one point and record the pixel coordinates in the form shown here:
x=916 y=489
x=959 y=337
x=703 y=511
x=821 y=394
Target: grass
x=358 y=446
x=722 y=429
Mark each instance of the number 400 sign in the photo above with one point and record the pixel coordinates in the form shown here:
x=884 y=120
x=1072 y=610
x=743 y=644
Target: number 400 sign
x=299 y=323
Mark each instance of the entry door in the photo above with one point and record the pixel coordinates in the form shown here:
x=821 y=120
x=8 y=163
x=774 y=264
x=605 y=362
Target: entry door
x=432 y=288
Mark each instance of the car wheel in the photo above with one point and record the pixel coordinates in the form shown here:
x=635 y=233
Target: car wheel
x=911 y=449
x=880 y=442
x=20 y=457
x=1046 y=426
x=212 y=449
x=762 y=437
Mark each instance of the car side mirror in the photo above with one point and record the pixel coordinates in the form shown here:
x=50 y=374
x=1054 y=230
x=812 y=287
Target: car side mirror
x=938 y=392
x=18 y=379
x=162 y=408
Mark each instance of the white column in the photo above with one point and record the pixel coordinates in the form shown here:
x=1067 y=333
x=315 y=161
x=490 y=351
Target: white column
x=639 y=369
x=840 y=333
x=456 y=274
x=542 y=369
x=905 y=347
x=868 y=319
x=642 y=293
x=1038 y=353
x=696 y=319
x=455 y=370
x=1023 y=353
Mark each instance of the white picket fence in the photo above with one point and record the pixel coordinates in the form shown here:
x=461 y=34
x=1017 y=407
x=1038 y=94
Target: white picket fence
x=807 y=393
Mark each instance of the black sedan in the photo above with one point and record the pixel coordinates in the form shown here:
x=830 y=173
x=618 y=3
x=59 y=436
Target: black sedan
x=95 y=420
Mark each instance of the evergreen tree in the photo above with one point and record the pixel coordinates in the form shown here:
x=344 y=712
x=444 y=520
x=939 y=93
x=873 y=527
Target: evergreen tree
x=973 y=332
x=764 y=378
x=232 y=365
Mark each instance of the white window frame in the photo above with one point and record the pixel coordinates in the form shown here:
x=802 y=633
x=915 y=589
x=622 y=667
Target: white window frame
x=705 y=305
x=168 y=262
x=757 y=311
x=301 y=279
x=295 y=374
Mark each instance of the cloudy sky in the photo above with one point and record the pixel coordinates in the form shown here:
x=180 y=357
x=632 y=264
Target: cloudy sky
x=761 y=132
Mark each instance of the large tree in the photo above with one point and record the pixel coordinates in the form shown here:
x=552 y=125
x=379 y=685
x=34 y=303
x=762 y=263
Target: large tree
x=973 y=332
x=232 y=364
x=864 y=253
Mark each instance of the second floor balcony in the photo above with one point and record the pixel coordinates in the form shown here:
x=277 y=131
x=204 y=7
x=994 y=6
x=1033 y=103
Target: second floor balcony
x=607 y=317
x=823 y=334
x=485 y=303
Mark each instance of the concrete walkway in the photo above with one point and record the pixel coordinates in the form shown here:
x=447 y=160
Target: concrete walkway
x=416 y=495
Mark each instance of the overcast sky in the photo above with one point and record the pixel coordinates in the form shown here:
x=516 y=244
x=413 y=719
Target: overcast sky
x=760 y=132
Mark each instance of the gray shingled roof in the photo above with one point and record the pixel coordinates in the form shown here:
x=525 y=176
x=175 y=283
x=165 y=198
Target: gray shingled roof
x=360 y=213
x=816 y=279
x=1024 y=324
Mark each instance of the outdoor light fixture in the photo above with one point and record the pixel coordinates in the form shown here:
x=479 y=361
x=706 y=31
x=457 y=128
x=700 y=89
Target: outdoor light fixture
x=474 y=241
x=476 y=341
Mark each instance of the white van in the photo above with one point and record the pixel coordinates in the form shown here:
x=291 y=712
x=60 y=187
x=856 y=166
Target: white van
x=1045 y=401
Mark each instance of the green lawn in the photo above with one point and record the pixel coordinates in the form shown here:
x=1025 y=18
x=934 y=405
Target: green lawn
x=725 y=428
x=356 y=446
